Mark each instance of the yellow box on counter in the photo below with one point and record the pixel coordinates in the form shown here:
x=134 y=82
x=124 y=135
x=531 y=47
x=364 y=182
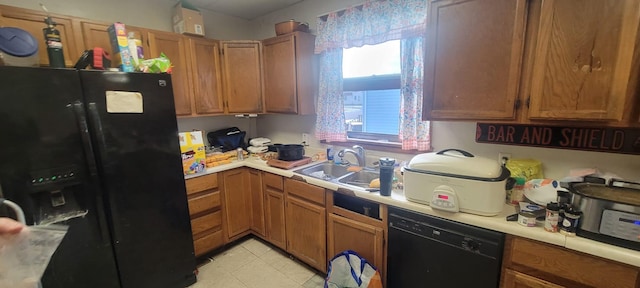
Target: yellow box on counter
x=120 y=47
x=193 y=152
x=187 y=20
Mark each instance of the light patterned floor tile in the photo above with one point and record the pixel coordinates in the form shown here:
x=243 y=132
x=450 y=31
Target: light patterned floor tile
x=233 y=259
x=211 y=277
x=257 y=274
x=316 y=281
x=275 y=258
x=256 y=247
x=295 y=271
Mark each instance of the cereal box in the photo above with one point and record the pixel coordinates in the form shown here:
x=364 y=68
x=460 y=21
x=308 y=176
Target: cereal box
x=120 y=47
x=193 y=152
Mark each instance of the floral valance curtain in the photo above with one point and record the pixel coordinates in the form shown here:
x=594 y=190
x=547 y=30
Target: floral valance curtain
x=372 y=23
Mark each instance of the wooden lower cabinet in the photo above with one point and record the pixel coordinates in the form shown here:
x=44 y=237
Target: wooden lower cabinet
x=306 y=232
x=529 y=263
x=306 y=222
x=205 y=211
x=515 y=279
x=236 y=190
x=346 y=234
x=274 y=217
x=257 y=202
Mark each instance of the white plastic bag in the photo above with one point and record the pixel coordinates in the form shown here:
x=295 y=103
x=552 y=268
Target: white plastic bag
x=349 y=270
x=25 y=256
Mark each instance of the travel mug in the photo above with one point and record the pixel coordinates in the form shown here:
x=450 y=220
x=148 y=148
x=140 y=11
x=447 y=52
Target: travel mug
x=386 y=175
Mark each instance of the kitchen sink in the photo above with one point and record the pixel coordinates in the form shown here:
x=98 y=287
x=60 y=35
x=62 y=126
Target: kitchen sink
x=325 y=171
x=360 y=179
x=340 y=174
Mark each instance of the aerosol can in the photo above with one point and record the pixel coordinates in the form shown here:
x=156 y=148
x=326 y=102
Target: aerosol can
x=53 y=42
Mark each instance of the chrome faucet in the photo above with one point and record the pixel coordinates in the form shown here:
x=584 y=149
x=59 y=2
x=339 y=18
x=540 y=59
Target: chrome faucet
x=358 y=152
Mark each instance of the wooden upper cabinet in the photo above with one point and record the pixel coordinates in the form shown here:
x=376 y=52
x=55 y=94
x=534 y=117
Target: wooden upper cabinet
x=205 y=69
x=174 y=47
x=583 y=59
x=290 y=77
x=96 y=35
x=242 y=75
x=32 y=21
x=473 y=58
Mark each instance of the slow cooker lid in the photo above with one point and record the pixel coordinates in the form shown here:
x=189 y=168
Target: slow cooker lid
x=456 y=162
x=614 y=194
x=17 y=42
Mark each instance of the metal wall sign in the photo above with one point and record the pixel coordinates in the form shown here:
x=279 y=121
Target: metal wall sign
x=603 y=139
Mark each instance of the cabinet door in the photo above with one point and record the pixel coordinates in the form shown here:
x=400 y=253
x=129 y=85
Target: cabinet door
x=33 y=22
x=205 y=69
x=306 y=232
x=257 y=202
x=290 y=73
x=274 y=217
x=473 y=59
x=242 y=76
x=583 y=59
x=280 y=74
x=96 y=35
x=346 y=234
x=237 y=201
x=173 y=45
x=513 y=279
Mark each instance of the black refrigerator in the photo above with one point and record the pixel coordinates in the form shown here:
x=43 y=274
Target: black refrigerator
x=98 y=151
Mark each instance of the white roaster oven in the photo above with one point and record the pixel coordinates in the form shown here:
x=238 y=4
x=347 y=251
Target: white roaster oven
x=457 y=181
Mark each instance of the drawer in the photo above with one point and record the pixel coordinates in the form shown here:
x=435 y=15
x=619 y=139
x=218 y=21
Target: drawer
x=202 y=183
x=304 y=191
x=204 y=202
x=206 y=222
x=207 y=243
x=552 y=261
x=273 y=181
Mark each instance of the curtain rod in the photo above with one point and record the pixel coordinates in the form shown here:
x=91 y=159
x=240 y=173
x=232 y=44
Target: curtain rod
x=339 y=11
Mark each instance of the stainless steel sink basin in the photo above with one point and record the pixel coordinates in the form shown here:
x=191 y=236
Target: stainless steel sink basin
x=360 y=179
x=325 y=171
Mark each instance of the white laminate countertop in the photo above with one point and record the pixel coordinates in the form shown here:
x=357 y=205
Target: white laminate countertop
x=496 y=223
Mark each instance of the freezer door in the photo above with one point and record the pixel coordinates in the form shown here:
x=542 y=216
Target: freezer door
x=134 y=131
x=45 y=169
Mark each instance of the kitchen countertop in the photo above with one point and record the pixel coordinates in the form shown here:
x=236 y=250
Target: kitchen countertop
x=496 y=223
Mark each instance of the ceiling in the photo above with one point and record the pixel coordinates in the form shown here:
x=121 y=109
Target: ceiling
x=247 y=9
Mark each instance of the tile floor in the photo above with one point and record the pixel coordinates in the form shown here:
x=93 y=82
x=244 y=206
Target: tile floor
x=251 y=264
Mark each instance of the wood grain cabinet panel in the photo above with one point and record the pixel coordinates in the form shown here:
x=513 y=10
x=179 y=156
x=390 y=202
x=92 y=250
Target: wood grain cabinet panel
x=204 y=56
x=562 y=267
x=242 y=73
x=346 y=234
x=274 y=212
x=290 y=76
x=257 y=203
x=584 y=59
x=237 y=202
x=306 y=232
x=175 y=48
x=513 y=279
x=205 y=210
x=32 y=21
x=473 y=59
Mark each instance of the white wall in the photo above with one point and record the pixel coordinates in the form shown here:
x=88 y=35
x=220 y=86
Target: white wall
x=556 y=162
x=153 y=14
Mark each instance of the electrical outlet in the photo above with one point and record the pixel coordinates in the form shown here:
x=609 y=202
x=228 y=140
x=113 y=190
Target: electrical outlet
x=502 y=156
x=305 y=139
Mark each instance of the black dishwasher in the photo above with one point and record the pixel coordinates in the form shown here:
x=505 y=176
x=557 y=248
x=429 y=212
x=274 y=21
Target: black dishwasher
x=426 y=251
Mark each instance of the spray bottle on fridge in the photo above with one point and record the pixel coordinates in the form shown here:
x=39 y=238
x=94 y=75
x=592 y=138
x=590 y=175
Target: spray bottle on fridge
x=53 y=41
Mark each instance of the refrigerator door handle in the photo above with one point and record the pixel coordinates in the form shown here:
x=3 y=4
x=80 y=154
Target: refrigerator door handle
x=79 y=110
x=95 y=117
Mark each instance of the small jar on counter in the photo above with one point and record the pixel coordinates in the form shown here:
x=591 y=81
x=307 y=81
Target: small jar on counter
x=527 y=218
x=240 y=153
x=570 y=220
x=551 y=217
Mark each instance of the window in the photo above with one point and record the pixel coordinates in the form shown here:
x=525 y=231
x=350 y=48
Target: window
x=371 y=85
